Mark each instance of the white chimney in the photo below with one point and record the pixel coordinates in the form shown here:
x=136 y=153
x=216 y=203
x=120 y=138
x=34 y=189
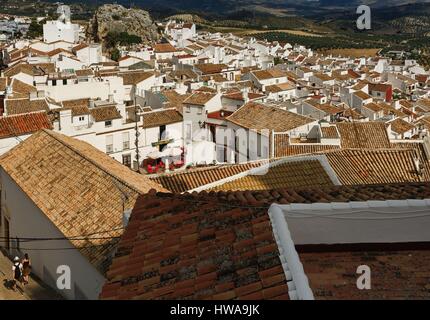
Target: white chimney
x=126 y=217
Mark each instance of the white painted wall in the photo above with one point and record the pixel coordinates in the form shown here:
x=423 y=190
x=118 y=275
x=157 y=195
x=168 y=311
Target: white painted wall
x=26 y=220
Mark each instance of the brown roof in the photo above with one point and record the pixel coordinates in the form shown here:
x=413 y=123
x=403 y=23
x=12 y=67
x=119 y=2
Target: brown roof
x=105 y=113
x=329 y=132
x=210 y=68
x=79 y=188
x=30 y=69
x=284 y=149
x=135 y=77
x=362 y=95
x=268 y=74
x=290 y=174
x=363 y=135
x=397 y=273
x=79 y=107
x=280 y=87
x=189 y=180
x=401 y=126
x=175 y=99
x=160 y=117
x=80 y=47
x=84 y=72
x=256 y=116
x=199 y=98
x=3 y=84
x=217 y=245
x=22 y=124
x=19 y=106
x=174 y=248
x=326 y=107
x=361 y=166
x=164 y=48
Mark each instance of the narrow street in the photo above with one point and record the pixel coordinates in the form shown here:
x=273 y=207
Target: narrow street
x=33 y=291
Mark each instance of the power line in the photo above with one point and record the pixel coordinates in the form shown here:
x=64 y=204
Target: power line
x=57 y=239
x=55 y=249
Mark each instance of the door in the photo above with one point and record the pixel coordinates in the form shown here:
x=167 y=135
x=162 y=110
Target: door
x=7 y=234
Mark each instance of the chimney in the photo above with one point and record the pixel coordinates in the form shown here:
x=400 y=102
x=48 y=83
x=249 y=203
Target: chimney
x=126 y=217
x=245 y=96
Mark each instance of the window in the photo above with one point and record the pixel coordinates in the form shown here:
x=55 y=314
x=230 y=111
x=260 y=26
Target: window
x=82 y=118
x=109 y=144
x=187 y=109
x=125 y=140
x=108 y=123
x=54 y=82
x=199 y=110
x=188 y=131
x=64 y=82
x=162 y=132
x=126 y=160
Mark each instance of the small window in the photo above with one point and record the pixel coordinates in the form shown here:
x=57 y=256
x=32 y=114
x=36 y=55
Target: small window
x=108 y=123
x=125 y=141
x=81 y=118
x=54 y=82
x=199 y=111
x=64 y=82
x=187 y=109
x=109 y=144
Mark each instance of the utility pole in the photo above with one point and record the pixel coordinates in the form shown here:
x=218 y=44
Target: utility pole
x=136 y=119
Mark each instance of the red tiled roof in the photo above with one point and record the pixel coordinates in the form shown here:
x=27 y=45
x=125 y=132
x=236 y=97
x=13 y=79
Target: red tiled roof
x=217 y=245
x=17 y=125
x=396 y=274
x=164 y=48
x=177 y=249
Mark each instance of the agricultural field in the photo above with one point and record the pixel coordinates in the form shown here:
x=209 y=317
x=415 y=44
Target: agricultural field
x=352 y=52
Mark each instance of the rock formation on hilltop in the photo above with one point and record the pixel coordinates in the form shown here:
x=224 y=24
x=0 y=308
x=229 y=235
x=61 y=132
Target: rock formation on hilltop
x=116 y=18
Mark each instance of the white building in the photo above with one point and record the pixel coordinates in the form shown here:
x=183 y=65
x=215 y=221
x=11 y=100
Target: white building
x=57 y=30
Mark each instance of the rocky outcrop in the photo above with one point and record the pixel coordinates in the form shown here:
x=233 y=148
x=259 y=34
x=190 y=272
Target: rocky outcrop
x=116 y=18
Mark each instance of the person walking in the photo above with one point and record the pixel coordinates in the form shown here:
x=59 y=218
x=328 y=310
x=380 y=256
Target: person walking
x=26 y=268
x=17 y=272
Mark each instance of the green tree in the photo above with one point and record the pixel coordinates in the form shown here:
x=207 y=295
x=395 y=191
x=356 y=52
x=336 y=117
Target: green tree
x=115 y=55
x=35 y=29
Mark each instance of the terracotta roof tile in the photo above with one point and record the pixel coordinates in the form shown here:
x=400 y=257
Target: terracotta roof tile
x=79 y=188
x=363 y=135
x=105 y=113
x=295 y=174
x=189 y=180
x=22 y=124
x=202 y=262
x=210 y=68
x=164 y=48
x=396 y=274
x=256 y=116
x=361 y=166
x=161 y=117
x=135 y=77
x=401 y=126
x=199 y=98
x=19 y=106
x=175 y=244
